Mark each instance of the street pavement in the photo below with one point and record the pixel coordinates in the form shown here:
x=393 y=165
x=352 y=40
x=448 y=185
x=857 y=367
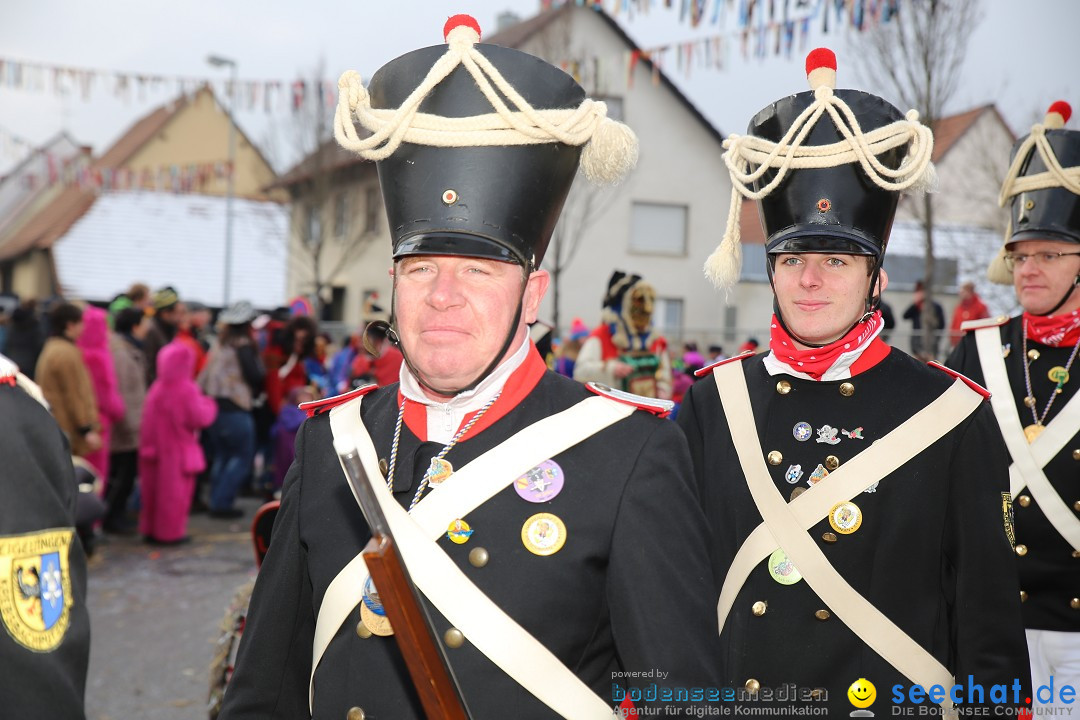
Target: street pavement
x=156 y=616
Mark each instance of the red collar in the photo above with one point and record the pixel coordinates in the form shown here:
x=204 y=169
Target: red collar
x=520 y=383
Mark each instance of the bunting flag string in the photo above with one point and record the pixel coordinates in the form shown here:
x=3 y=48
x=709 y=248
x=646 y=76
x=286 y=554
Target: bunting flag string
x=267 y=96
x=79 y=172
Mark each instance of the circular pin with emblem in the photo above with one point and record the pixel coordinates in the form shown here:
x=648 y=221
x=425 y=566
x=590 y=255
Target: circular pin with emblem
x=845 y=517
x=541 y=483
x=782 y=569
x=459 y=532
x=377 y=624
x=1058 y=375
x=802 y=431
x=438 y=471
x=543 y=534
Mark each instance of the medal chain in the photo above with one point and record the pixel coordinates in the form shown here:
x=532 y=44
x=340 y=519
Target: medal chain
x=1027 y=379
x=442 y=453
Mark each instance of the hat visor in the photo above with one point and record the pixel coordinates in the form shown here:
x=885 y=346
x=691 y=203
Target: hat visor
x=839 y=240
x=459 y=244
x=1058 y=234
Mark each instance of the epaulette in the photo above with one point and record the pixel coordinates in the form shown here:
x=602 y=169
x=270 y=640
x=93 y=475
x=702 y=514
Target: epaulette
x=314 y=407
x=10 y=375
x=984 y=323
x=661 y=408
x=709 y=368
x=967 y=381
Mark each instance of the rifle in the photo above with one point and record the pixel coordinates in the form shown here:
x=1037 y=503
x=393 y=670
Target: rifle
x=425 y=658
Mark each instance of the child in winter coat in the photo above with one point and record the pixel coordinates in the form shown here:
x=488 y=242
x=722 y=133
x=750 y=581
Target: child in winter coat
x=94 y=344
x=169 y=452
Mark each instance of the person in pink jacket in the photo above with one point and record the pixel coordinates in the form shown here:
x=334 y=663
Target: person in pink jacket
x=94 y=344
x=169 y=452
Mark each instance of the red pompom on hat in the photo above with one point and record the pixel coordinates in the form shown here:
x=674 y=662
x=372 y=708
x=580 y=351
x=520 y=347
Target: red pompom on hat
x=821 y=68
x=457 y=21
x=1058 y=114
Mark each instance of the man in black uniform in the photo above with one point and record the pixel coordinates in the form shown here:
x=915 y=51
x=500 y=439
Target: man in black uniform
x=863 y=544
x=1026 y=362
x=562 y=554
x=45 y=646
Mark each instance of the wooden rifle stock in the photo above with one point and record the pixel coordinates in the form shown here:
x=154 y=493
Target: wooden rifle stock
x=430 y=672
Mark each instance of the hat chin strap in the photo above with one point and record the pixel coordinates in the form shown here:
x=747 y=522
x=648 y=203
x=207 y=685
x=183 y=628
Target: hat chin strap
x=870 y=305
x=1064 y=298
x=395 y=338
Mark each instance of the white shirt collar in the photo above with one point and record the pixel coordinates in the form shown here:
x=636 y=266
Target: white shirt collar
x=444 y=418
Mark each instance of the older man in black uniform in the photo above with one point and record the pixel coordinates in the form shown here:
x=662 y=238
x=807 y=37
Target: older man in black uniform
x=1026 y=362
x=45 y=646
x=864 y=544
x=560 y=550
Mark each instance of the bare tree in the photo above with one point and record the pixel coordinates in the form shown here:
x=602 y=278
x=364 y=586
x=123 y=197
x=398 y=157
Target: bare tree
x=917 y=57
x=327 y=228
x=587 y=202
x=584 y=206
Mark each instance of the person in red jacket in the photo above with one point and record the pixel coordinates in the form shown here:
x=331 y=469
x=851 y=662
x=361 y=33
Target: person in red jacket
x=970 y=307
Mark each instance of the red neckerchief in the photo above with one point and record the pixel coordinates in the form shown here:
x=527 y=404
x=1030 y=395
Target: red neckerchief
x=1055 y=330
x=520 y=383
x=861 y=349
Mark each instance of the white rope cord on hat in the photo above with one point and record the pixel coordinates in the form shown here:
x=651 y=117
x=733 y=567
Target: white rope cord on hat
x=582 y=125
x=916 y=170
x=1054 y=175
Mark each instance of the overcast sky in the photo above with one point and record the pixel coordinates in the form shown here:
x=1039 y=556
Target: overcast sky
x=1022 y=56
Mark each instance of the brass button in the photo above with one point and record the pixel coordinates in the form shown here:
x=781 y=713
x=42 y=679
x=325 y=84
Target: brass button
x=1076 y=454
x=1076 y=553
x=383 y=467
x=478 y=557
x=759 y=608
x=775 y=457
x=783 y=387
x=847 y=389
x=454 y=638
x=1023 y=596
x=1076 y=506
x=1023 y=500
x=796 y=493
x=362 y=630
x=1021 y=550
x=829 y=537
x=1033 y=354
x=752 y=685
x=823 y=615
x=1075 y=603
x=355 y=714
x=832 y=462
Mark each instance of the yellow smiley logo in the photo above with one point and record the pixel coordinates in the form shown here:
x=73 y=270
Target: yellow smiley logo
x=862 y=693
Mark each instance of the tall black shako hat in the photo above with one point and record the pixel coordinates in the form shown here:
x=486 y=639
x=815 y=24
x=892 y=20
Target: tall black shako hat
x=477 y=146
x=1042 y=187
x=826 y=168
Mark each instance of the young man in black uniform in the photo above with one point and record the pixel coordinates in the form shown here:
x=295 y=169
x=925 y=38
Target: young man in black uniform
x=45 y=645
x=565 y=525
x=854 y=493
x=1026 y=362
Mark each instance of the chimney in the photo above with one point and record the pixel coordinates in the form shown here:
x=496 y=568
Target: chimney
x=506 y=19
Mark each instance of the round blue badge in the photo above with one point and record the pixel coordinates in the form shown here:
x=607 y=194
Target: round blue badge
x=802 y=431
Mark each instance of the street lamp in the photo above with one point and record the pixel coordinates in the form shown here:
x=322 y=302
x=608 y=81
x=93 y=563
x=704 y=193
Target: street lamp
x=219 y=61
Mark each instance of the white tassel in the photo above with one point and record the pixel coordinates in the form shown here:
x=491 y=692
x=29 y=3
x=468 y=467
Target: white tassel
x=927 y=181
x=724 y=266
x=610 y=154
x=998 y=272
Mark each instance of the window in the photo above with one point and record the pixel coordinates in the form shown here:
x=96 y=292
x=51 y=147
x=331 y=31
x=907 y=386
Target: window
x=372 y=200
x=668 y=314
x=614 y=106
x=657 y=229
x=731 y=322
x=312 y=225
x=334 y=311
x=341 y=218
